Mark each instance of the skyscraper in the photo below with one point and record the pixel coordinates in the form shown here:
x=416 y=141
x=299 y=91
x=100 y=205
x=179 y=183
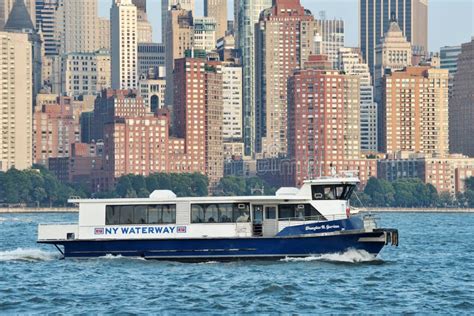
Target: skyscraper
x=375 y=18
x=329 y=39
x=123 y=18
x=7 y=5
x=218 y=10
x=16 y=101
x=204 y=33
x=461 y=111
x=166 y=6
x=284 y=40
x=248 y=16
x=140 y=4
x=46 y=22
x=448 y=56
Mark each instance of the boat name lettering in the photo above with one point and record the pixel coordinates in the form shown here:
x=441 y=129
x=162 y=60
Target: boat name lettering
x=134 y=230
x=322 y=227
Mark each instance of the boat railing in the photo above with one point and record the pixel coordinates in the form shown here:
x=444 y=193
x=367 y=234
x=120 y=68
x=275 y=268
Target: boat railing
x=316 y=218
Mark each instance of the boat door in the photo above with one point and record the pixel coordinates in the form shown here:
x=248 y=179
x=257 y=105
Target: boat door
x=270 y=223
x=257 y=220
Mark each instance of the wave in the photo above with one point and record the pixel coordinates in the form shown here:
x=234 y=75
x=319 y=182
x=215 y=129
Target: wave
x=348 y=256
x=15 y=219
x=28 y=254
x=120 y=257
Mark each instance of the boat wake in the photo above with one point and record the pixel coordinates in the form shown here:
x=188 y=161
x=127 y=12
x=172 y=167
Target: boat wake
x=120 y=257
x=349 y=256
x=28 y=254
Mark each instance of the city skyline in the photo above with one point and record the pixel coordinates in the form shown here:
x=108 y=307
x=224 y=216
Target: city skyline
x=459 y=30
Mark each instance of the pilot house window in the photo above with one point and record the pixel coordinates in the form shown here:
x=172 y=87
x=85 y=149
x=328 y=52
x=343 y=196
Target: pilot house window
x=332 y=192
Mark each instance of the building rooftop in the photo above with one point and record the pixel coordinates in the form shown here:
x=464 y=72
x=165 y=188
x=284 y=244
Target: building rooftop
x=19 y=18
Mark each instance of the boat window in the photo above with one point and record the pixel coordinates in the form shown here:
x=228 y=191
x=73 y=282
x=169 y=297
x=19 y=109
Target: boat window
x=298 y=212
x=270 y=212
x=332 y=192
x=220 y=213
x=140 y=214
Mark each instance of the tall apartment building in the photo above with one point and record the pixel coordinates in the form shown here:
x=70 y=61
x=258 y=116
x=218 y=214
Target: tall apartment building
x=351 y=63
x=85 y=73
x=248 y=14
x=179 y=38
x=150 y=56
x=46 y=21
x=414 y=114
x=375 y=18
x=16 y=101
x=232 y=102
x=323 y=123
x=217 y=9
x=198 y=115
x=103 y=34
x=329 y=39
x=123 y=18
x=461 y=113
x=204 y=34
x=167 y=5
x=54 y=128
x=7 y=5
x=77 y=26
x=393 y=53
x=284 y=40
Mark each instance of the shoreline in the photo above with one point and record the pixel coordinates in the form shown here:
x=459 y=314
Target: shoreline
x=6 y=210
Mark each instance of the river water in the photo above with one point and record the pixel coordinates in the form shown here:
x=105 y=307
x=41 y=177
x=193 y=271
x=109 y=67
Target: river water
x=432 y=271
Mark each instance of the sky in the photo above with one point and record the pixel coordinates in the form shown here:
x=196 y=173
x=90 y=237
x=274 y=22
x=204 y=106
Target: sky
x=451 y=22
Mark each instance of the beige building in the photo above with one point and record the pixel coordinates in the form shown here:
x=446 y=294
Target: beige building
x=204 y=33
x=414 y=115
x=124 y=45
x=103 y=34
x=166 y=6
x=152 y=89
x=179 y=38
x=448 y=174
x=232 y=101
x=218 y=10
x=329 y=39
x=461 y=104
x=16 y=101
x=144 y=29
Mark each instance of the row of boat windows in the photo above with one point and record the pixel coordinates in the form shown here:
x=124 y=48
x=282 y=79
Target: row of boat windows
x=332 y=192
x=204 y=213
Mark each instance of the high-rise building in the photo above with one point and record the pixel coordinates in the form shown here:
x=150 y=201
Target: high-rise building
x=323 y=123
x=448 y=56
x=16 y=101
x=284 y=40
x=179 y=38
x=77 y=25
x=54 y=128
x=150 y=56
x=204 y=34
x=85 y=73
x=329 y=39
x=144 y=29
x=414 y=113
x=375 y=18
x=461 y=111
x=103 y=34
x=351 y=63
x=248 y=14
x=166 y=6
x=217 y=9
x=232 y=102
x=7 y=5
x=46 y=21
x=393 y=53
x=140 y=4
x=123 y=18
x=152 y=87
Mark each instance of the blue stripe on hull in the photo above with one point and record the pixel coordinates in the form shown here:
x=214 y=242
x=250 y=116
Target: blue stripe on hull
x=222 y=248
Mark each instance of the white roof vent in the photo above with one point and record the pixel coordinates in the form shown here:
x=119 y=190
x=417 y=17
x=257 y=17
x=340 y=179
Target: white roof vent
x=287 y=191
x=162 y=195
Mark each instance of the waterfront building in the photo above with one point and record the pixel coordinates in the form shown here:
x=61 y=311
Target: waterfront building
x=329 y=39
x=204 y=34
x=393 y=53
x=54 y=128
x=284 y=40
x=248 y=14
x=414 y=113
x=375 y=18
x=167 y=5
x=16 y=101
x=461 y=111
x=323 y=123
x=123 y=18
x=179 y=38
x=150 y=56
x=351 y=63
x=85 y=73
x=103 y=34
x=217 y=9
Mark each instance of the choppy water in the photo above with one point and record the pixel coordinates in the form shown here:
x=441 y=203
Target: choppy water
x=431 y=272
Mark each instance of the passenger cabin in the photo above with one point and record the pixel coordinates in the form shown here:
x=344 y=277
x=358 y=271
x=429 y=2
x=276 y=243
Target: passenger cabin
x=208 y=217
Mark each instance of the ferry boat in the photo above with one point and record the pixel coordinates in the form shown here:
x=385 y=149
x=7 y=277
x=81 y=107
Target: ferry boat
x=312 y=220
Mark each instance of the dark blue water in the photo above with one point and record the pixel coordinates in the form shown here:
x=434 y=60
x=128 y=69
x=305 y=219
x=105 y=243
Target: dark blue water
x=431 y=272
